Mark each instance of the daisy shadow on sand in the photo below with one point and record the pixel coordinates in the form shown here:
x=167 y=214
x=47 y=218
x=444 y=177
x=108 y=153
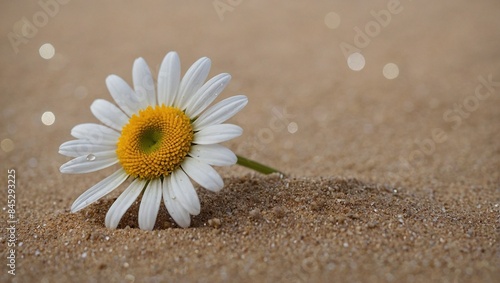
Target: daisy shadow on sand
x=241 y=196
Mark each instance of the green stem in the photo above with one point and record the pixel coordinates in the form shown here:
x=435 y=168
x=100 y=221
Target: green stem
x=254 y=165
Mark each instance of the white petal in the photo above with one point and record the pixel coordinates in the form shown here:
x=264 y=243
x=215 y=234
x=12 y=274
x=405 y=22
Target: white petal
x=95 y=133
x=143 y=83
x=169 y=78
x=203 y=174
x=77 y=148
x=206 y=94
x=90 y=163
x=192 y=81
x=217 y=133
x=109 y=114
x=220 y=112
x=123 y=94
x=175 y=209
x=213 y=154
x=123 y=202
x=150 y=204
x=99 y=190
x=184 y=191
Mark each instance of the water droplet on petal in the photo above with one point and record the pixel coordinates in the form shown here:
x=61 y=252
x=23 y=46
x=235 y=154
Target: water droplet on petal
x=91 y=157
x=173 y=197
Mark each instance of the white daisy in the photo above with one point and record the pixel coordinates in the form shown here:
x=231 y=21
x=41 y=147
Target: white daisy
x=160 y=139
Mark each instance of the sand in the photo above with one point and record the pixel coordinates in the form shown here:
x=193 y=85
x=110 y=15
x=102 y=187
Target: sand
x=387 y=180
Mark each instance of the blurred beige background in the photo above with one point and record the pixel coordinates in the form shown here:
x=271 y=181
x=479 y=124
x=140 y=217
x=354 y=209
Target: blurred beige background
x=422 y=125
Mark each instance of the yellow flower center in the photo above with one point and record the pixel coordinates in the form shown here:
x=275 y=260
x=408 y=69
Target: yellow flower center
x=155 y=142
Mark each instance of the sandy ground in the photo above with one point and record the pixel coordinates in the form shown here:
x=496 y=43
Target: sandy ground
x=389 y=180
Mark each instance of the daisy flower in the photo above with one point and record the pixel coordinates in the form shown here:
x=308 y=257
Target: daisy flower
x=162 y=137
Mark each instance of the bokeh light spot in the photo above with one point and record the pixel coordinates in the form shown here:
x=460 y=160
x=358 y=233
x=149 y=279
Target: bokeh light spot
x=293 y=128
x=48 y=118
x=390 y=71
x=7 y=145
x=332 y=20
x=356 y=61
x=80 y=92
x=47 y=51
x=33 y=162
